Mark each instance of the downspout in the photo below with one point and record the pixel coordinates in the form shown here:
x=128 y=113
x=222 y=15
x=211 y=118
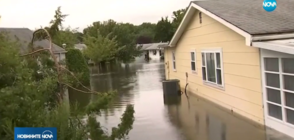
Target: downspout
x=166 y=63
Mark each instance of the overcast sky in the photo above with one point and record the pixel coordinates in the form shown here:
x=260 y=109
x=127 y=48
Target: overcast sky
x=36 y=13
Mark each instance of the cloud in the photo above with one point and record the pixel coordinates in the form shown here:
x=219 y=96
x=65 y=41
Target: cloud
x=36 y=13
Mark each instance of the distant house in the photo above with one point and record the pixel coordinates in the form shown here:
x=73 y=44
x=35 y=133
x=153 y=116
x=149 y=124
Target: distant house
x=24 y=37
x=153 y=50
x=80 y=46
x=240 y=57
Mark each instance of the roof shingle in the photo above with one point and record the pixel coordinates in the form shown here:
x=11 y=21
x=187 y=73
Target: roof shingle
x=250 y=16
x=25 y=35
x=153 y=46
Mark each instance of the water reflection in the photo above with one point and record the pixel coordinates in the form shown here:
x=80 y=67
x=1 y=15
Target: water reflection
x=216 y=128
x=205 y=121
x=171 y=100
x=160 y=117
x=75 y=97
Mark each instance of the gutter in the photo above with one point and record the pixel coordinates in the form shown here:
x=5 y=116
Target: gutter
x=272 y=37
x=251 y=38
x=59 y=52
x=260 y=42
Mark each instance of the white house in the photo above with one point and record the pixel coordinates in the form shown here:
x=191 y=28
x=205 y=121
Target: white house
x=80 y=46
x=153 y=51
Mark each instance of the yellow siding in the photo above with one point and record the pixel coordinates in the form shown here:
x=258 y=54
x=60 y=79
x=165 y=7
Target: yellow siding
x=241 y=67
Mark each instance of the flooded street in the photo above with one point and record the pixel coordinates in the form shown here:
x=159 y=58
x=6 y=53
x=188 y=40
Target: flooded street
x=162 y=118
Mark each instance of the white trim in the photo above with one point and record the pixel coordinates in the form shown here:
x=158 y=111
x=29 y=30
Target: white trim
x=189 y=14
x=281 y=91
x=185 y=21
x=248 y=37
x=195 y=61
x=264 y=97
x=280 y=125
x=214 y=51
x=174 y=63
x=271 y=37
x=273 y=47
x=229 y=25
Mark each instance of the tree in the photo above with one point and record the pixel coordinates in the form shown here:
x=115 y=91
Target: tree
x=66 y=36
x=163 y=30
x=24 y=100
x=32 y=86
x=56 y=23
x=79 y=36
x=177 y=18
x=144 y=39
x=145 y=33
x=8 y=61
x=58 y=33
x=69 y=37
x=100 y=48
x=104 y=28
x=78 y=65
x=124 y=34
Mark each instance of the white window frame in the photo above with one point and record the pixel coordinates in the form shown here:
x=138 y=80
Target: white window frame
x=214 y=84
x=174 y=64
x=195 y=60
x=281 y=125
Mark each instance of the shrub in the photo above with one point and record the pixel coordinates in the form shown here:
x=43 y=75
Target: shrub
x=77 y=64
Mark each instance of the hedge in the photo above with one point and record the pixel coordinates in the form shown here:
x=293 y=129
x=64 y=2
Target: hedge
x=77 y=64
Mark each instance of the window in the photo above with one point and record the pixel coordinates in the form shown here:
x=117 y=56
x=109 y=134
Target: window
x=279 y=88
x=212 y=67
x=193 y=61
x=174 y=60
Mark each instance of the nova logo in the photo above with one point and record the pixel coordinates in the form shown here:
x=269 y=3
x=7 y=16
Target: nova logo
x=35 y=133
x=47 y=135
x=269 y=5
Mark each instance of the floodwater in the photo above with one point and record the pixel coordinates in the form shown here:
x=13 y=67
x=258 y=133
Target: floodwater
x=161 y=118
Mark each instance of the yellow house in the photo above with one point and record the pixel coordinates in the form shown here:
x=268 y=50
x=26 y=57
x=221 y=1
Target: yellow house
x=240 y=57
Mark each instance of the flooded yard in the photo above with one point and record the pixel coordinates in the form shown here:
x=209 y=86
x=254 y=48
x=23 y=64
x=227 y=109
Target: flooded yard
x=166 y=118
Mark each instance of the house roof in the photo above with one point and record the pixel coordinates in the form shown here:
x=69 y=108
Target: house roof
x=246 y=17
x=283 y=45
x=250 y=16
x=153 y=46
x=80 y=46
x=25 y=35
x=144 y=46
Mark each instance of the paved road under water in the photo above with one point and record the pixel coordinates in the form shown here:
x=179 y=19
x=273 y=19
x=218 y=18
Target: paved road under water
x=159 y=118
